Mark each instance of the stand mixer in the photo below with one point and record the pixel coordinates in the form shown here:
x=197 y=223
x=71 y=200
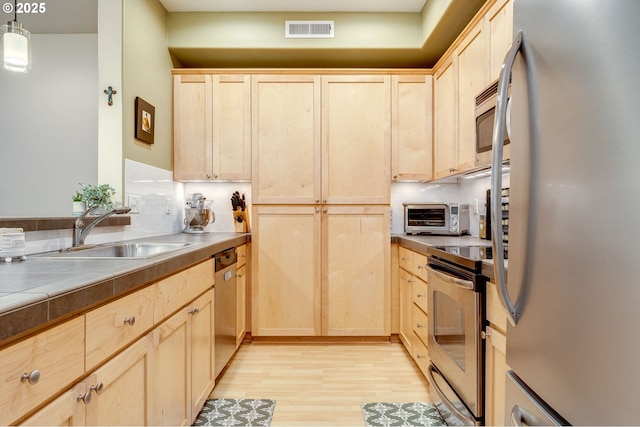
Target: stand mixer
x=198 y=214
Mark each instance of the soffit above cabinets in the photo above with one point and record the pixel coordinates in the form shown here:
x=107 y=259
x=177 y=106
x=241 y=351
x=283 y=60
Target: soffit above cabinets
x=368 y=33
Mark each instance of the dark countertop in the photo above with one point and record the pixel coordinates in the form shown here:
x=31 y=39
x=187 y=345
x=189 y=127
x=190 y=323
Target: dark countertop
x=420 y=243
x=40 y=291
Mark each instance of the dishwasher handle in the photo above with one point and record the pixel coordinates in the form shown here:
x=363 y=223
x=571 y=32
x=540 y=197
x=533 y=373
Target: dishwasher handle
x=225 y=258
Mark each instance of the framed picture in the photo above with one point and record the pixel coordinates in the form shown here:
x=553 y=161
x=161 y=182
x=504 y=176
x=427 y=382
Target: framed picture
x=145 y=120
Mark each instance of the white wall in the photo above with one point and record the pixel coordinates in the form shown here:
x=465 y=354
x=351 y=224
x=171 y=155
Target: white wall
x=49 y=126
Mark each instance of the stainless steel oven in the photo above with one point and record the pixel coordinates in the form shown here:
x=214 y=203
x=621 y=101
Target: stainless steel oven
x=456 y=319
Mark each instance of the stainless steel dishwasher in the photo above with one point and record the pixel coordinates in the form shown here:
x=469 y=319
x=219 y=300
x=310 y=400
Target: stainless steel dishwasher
x=225 y=307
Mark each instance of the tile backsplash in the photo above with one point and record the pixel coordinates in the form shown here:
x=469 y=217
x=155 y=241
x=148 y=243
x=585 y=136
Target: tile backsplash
x=157 y=205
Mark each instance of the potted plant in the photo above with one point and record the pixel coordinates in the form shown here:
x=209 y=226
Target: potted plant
x=98 y=196
x=78 y=204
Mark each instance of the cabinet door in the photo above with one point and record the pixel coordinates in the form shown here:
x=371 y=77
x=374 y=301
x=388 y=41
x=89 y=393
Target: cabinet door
x=231 y=127
x=286 y=271
x=471 y=81
x=286 y=139
x=65 y=410
x=355 y=272
x=170 y=369
x=122 y=389
x=406 y=303
x=241 y=304
x=356 y=139
x=192 y=127
x=202 y=349
x=445 y=147
x=499 y=28
x=411 y=127
x=496 y=368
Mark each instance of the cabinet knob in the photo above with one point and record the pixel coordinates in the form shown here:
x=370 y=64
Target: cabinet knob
x=484 y=334
x=208 y=176
x=33 y=377
x=419 y=325
x=317 y=200
x=420 y=295
x=243 y=255
x=324 y=210
x=85 y=398
x=317 y=210
x=403 y=258
x=420 y=267
x=395 y=176
x=324 y=201
x=410 y=280
x=194 y=311
x=215 y=175
x=419 y=356
x=130 y=320
x=97 y=388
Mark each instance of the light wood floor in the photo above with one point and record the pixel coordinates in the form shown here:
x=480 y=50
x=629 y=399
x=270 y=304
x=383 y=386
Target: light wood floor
x=322 y=384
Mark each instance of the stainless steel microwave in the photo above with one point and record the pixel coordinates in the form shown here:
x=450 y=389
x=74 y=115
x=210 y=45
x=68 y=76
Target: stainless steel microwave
x=485 y=120
x=447 y=219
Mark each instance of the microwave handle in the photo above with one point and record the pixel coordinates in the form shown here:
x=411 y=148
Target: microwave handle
x=496 y=179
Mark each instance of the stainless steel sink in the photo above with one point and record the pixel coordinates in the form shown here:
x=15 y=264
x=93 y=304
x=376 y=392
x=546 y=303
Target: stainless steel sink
x=129 y=250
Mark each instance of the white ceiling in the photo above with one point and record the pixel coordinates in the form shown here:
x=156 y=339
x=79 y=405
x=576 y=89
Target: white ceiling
x=293 y=5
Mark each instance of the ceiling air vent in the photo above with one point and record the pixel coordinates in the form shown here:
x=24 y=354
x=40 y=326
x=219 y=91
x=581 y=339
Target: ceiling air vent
x=308 y=29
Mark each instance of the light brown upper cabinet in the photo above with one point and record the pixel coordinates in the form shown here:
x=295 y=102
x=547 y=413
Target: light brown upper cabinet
x=498 y=23
x=411 y=127
x=286 y=139
x=445 y=104
x=211 y=127
x=356 y=139
x=321 y=139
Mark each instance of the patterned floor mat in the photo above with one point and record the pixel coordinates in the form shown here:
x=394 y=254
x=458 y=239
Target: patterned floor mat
x=236 y=412
x=401 y=414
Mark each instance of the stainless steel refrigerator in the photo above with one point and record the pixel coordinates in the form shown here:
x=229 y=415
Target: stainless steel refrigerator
x=573 y=283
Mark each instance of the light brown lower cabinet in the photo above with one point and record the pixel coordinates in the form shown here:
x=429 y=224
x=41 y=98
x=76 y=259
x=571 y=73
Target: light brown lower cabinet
x=241 y=304
x=183 y=363
x=321 y=271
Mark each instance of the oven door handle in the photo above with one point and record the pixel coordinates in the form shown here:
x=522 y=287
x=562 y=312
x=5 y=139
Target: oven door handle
x=455 y=411
x=465 y=284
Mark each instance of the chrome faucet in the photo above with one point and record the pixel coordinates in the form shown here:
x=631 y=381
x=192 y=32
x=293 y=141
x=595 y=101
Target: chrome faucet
x=80 y=230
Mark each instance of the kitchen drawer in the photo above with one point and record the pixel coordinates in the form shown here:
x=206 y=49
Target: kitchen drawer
x=420 y=354
x=113 y=326
x=420 y=295
x=242 y=255
x=178 y=290
x=420 y=322
x=495 y=313
x=405 y=258
x=420 y=266
x=57 y=355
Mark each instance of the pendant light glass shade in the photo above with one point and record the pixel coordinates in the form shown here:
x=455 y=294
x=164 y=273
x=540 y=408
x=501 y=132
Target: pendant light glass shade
x=15 y=47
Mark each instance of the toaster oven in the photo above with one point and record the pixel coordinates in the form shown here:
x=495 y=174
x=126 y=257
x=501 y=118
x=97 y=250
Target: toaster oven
x=447 y=219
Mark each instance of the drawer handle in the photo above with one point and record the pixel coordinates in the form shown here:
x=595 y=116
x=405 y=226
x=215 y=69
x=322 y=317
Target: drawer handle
x=194 y=311
x=418 y=325
x=420 y=295
x=97 y=388
x=33 y=377
x=130 y=320
x=86 y=398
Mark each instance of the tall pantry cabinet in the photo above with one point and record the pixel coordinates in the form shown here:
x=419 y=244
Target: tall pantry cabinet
x=321 y=230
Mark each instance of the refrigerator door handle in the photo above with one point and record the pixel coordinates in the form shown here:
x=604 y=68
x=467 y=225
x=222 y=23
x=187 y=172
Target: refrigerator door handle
x=496 y=179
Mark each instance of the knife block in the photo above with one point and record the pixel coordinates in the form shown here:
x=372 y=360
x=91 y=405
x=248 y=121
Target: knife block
x=241 y=221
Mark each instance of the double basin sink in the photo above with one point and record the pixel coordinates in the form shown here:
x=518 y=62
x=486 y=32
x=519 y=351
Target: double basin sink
x=126 y=250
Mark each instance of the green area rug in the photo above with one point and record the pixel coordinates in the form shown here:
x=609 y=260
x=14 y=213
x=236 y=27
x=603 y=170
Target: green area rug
x=401 y=414
x=236 y=412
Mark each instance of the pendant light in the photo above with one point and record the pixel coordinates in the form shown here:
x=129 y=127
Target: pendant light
x=15 y=46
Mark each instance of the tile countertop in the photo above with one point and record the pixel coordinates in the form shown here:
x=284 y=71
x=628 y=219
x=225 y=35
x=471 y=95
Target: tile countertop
x=420 y=243
x=39 y=291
